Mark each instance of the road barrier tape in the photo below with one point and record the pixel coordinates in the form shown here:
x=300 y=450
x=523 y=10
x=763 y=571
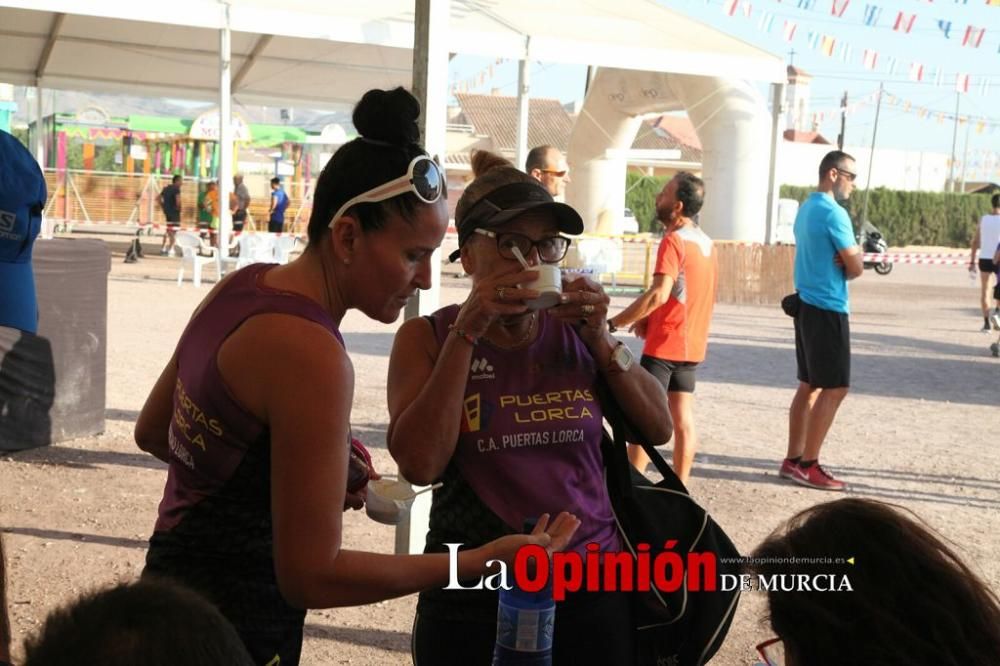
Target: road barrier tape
x=207 y=229
x=916 y=258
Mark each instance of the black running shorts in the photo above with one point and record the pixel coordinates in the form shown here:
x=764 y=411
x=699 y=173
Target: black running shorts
x=987 y=266
x=675 y=376
x=823 y=347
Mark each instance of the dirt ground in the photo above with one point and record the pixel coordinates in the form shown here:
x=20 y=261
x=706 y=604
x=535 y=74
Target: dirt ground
x=915 y=430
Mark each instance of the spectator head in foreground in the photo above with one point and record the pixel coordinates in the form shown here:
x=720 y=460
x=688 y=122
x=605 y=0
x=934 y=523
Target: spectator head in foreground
x=22 y=200
x=912 y=602
x=150 y=622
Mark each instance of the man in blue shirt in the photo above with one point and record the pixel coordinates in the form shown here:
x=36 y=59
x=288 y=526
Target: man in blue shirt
x=279 y=202
x=826 y=257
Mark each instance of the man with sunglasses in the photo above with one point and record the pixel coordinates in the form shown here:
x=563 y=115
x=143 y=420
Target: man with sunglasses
x=547 y=165
x=826 y=257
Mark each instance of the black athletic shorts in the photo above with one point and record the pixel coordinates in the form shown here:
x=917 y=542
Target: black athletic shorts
x=240 y=216
x=675 y=376
x=987 y=266
x=173 y=220
x=823 y=347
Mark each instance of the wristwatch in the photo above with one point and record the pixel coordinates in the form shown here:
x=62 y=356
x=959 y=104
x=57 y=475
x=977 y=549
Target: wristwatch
x=621 y=358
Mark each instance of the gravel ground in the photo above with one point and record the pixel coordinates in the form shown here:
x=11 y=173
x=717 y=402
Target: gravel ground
x=913 y=430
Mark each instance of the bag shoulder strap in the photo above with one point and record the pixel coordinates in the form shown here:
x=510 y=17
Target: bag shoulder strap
x=620 y=427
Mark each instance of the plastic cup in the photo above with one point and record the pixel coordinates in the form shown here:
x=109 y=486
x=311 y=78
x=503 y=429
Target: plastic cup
x=549 y=286
x=388 y=501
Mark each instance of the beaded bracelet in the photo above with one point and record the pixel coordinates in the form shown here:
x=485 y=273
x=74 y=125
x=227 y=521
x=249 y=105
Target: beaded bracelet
x=462 y=334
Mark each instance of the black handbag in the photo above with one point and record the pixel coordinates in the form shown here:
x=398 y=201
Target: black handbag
x=682 y=627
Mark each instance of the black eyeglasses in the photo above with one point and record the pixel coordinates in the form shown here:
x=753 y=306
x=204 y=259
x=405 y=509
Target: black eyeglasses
x=551 y=250
x=423 y=177
x=847 y=174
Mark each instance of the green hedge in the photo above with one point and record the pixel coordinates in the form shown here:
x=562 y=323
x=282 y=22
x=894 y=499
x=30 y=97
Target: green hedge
x=906 y=218
x=640 y=196
x=914 y=218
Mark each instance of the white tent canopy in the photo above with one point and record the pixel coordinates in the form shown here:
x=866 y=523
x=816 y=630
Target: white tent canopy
x=326 y=53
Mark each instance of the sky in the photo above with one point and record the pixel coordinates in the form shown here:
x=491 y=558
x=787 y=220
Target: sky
x=925 y=44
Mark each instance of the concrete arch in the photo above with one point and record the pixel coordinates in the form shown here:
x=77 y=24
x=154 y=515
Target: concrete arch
x=733 y=124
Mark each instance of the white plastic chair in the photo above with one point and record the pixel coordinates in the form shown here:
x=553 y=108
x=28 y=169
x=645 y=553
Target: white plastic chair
x=190 y=245
x=256 y=248
x=283 y=247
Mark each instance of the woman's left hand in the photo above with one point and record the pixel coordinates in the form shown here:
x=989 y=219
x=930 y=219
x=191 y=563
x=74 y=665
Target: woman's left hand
x=584 y=305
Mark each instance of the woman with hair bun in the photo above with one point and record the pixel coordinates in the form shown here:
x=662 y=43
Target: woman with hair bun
x=252 y=412
x=503 y=403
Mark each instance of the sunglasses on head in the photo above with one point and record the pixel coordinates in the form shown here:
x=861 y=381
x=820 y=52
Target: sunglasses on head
x=423 y=178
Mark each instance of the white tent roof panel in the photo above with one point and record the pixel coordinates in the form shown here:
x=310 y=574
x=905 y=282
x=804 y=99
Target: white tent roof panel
x=326 y=53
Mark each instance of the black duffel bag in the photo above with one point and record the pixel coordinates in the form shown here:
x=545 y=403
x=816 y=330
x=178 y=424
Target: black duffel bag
x=682 y=627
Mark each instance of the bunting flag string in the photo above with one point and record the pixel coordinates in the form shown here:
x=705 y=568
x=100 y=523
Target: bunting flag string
x=904 y=22
x=973 y=36
x=829 y=45
x=872 y=13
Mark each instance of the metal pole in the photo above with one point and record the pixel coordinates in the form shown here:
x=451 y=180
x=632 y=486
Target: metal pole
x=523 y=88
x=430 y=86
x=954 y=140
x=39 y=131
x=225 y=134
x=777 y=97
x=965 y=153
x=871 y=158
x=843 y=122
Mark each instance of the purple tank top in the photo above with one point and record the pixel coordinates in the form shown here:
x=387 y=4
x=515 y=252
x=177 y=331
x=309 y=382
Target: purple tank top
x=211 y=433
x=531 y=431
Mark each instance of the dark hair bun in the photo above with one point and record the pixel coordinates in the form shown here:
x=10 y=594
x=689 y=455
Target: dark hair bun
x=388 y=115
x=484 y=160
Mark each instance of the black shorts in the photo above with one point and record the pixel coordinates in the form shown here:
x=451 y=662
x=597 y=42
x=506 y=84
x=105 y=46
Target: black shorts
x=240 y=216
x=823 y=347
x=275 y=227
x=173 y=220
x=675 y=376
x=987 y=266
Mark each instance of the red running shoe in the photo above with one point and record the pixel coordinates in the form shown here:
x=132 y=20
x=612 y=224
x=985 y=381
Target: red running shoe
x=816 y=477
x=787 y=470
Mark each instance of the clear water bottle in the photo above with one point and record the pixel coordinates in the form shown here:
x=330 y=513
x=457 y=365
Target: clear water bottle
x=525 y=626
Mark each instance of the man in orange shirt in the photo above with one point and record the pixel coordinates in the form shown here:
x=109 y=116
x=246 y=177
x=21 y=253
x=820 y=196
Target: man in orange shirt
x=674 y=314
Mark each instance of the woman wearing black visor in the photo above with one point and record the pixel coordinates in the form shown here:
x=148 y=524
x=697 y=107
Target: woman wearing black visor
x=501 y=399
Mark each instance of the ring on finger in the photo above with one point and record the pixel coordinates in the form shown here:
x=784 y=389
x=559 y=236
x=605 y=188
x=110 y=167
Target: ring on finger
x=500 y=292
x=587 y=309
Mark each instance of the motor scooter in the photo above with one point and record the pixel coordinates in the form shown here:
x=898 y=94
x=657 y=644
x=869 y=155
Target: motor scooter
x=872 y=242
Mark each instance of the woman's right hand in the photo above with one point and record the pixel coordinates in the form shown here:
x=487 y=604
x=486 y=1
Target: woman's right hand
x=495 y=296
x=552 y=537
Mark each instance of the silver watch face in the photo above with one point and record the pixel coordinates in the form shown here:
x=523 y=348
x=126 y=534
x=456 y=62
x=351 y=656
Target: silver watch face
x=622 y=356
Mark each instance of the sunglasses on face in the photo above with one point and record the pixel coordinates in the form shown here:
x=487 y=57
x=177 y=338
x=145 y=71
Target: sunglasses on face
x=772 y=652
x=846 y=174
x=423 y=178
x=558 y=173
x=551 y=250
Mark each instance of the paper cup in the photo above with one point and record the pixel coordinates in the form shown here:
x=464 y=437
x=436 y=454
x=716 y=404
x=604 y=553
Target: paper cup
x=388 y=501
x=549 y=286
